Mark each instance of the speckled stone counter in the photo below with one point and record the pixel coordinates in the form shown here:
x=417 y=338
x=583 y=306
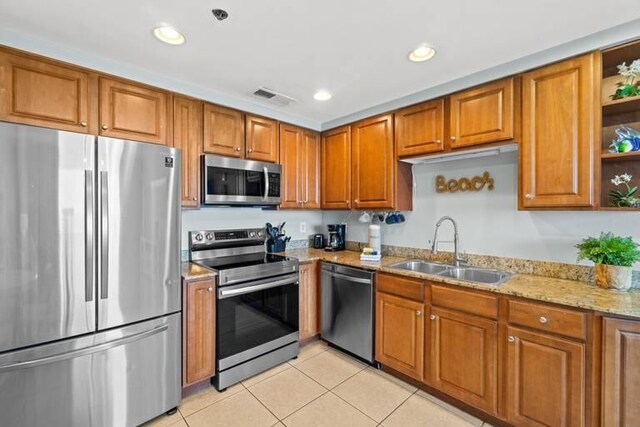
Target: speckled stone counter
x=558 y=291
x=191 y=271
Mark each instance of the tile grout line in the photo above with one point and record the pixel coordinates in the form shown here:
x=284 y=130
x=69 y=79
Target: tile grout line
x=211 y=404
x=357 y=409
x=398 y=407
x=262 y=403
x=305 y=405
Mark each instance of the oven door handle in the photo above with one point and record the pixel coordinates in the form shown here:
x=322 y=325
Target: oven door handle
x=228 y=293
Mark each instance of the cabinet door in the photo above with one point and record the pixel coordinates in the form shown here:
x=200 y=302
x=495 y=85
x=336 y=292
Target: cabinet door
x=134 y=112
x=187 y=135
x=199 y=331
x=311 y=167
x=45 y=94
x=420 y=129
x=464 y=357
x=291 y=159
x=309 y=301
x=336 y=169
x=483 y=114
x=400 y=334
x=373 y=163
x=223 y=131
x=559 y=107
x=262 y=139
x=621 y=373
x=545 y=380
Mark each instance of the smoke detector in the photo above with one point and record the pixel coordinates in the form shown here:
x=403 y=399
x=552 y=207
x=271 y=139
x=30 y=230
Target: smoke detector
x=273 y=97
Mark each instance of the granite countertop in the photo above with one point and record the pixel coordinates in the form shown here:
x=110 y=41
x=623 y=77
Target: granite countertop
x=558 y=291
x=191 y=271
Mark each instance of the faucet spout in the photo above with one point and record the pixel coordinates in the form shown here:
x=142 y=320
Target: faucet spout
x=457 y=259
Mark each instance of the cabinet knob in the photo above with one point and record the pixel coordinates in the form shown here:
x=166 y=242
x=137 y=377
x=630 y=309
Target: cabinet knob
x=250 y=150
x=195 y=199
x=511 y=338
x=418 y=313
x=83 y=124
x=528 y=196
x=104 y=127
x=438 y=142
x=237 y=148
x=210 y=289
x=543 y=320
x=432 y=317
x=453 y=138
x=300 y=202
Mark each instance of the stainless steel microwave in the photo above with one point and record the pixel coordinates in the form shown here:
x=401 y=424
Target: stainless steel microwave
x=227 y=181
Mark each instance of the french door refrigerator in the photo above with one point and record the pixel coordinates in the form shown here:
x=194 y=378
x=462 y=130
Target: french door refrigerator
x=90 y=324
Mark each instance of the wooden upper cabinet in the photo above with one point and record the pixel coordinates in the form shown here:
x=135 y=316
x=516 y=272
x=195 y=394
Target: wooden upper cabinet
x=132 y=111
x=545 y=380
x=336 y=169
x=420 y=129
x=309 y=300
x=399 y=334
x=311 y=168
x=187 y=136
x=223 y=131
x=199 y=346
x=262 y=139
x=560 y=103
x=621 y=373
x=463 y=357
x=42 y=93
x=373 y=163
x=484 y=114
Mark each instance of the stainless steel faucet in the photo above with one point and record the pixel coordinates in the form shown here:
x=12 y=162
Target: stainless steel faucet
x=457 y=259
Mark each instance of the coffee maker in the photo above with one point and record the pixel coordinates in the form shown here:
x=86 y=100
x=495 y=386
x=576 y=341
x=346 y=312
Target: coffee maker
x=337 y=237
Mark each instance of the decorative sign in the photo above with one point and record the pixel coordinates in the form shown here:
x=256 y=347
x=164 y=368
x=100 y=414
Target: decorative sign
x=477 y=183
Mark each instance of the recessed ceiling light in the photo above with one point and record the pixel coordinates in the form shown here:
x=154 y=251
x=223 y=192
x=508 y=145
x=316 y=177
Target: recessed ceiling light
x=422 y=53
x=322 y=95
x=168 y=34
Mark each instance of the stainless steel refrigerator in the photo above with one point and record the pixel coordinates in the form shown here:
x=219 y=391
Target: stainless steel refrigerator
x=90 y=324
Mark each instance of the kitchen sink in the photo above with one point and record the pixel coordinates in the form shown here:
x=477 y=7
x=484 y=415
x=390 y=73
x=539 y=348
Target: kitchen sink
x=468 y=274
x=479 y=275
x=421 y=266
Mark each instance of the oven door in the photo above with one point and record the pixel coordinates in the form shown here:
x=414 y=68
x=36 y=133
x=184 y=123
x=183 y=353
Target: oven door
x=228 y=181
x=254 y=318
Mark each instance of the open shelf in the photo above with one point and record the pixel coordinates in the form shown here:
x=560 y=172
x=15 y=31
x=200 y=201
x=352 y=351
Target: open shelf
x=632 y=155
x=621 y=106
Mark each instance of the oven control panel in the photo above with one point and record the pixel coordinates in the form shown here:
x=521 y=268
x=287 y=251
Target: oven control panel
x=213 y=237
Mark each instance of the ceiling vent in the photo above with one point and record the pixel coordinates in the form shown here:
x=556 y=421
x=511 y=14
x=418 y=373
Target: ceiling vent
x=273 y=97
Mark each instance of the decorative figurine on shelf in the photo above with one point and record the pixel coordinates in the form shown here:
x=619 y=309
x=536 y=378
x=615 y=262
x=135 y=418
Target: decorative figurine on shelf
x=630 y=86
x=627 y=198
x=628 y=140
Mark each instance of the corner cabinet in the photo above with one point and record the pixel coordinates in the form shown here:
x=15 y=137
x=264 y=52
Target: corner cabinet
x=621 y=372
x=133 y=111
x=561 y=117
x=198 y=318
x=336 y=169
x=42 y=93
x=187 y=136
x=300 y=160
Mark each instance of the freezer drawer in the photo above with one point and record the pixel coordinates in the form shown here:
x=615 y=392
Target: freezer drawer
x=121 y=377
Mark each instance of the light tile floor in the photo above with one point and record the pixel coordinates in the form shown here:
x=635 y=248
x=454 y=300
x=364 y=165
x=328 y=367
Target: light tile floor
x=321 y=388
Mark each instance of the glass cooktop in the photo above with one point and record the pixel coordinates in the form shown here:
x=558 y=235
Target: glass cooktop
x=239 y=261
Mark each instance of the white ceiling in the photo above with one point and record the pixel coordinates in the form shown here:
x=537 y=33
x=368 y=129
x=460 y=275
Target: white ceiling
x=356 y=49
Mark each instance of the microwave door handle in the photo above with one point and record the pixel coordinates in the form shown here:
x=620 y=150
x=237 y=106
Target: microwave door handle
x=266 y=183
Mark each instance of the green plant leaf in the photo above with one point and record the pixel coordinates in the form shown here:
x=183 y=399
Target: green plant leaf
x=609 y=249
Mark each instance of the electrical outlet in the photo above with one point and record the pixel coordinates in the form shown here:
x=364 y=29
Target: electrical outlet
x=303 y=227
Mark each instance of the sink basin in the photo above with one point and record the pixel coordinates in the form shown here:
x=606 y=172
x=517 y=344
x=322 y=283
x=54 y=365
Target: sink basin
x=479 y=275
x=421 y=266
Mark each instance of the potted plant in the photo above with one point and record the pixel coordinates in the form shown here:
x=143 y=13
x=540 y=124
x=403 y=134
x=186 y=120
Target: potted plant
x=630 y=86
x=626 y=198
x=613 y=256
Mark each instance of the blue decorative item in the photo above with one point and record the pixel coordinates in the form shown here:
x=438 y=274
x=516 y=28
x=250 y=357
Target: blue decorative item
x=628 y=140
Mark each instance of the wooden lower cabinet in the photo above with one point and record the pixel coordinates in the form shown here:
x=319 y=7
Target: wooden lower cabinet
x=399 y=334
x=198 y=334
x=545 y=380
x=464 y=357
x=621 y=373
x=309 y=302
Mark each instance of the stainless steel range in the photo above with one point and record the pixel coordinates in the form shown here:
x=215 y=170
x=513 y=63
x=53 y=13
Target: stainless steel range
x=257 y=302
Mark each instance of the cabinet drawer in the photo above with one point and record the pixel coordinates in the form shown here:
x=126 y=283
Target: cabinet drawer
x=467 y=301
x=546 y=318
x=401 y=286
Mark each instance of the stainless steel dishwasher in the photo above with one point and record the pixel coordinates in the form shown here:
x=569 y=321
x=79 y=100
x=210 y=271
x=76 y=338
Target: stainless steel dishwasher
x=347 y=309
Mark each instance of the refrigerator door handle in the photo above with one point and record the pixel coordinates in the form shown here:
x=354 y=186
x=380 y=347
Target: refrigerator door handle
x=11 y=366
x=88 y=230
x=104 y=234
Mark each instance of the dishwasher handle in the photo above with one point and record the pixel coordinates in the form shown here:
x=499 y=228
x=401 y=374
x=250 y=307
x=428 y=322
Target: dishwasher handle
x=349 y=278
